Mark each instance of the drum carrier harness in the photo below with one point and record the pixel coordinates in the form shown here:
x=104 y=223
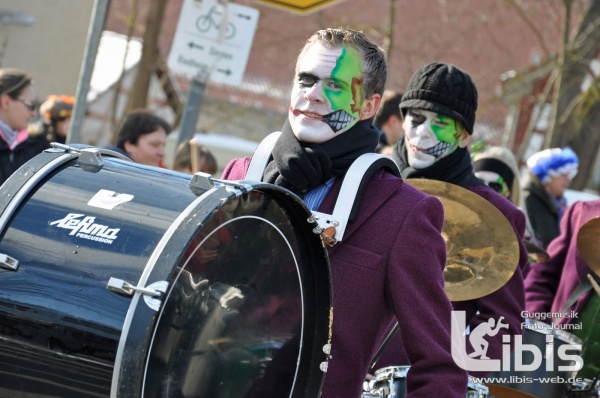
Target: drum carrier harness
x=331 y=227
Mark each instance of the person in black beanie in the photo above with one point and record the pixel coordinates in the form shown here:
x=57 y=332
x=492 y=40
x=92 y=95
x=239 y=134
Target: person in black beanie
x=381 y=276
x=497 y=167
x=439 y=107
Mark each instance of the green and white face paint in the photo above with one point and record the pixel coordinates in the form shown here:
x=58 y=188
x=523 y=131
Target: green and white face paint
x=327 y=96
x=429 y=136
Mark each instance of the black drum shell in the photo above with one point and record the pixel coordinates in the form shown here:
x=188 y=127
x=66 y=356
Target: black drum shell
x=61 y=330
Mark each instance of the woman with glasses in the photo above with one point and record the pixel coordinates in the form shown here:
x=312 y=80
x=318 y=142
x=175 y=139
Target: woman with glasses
x=17 y=109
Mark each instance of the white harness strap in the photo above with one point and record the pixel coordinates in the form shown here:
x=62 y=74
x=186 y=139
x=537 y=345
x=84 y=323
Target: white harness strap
x=350 y=188
x=261 y=156
x=348 y=191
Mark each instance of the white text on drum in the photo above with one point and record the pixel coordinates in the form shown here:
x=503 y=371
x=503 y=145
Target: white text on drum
x=86 y=228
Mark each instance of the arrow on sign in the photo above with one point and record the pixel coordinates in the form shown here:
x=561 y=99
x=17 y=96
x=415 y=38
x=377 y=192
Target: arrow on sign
x=194 y=45
x=248 y=17
x=225 y=71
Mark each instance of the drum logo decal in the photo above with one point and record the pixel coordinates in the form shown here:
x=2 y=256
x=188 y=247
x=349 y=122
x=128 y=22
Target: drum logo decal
x=106 y=199
x=490 y=329
x=83 y=226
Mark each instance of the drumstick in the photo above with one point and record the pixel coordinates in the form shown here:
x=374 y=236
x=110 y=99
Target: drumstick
x=385 y=343
x=594 y=283
x=194 y=156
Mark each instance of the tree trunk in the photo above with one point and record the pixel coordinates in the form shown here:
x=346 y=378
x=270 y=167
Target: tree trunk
x=577 y=114
x=139 y=94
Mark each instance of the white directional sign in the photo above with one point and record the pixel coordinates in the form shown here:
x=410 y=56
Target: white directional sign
x=213 y=39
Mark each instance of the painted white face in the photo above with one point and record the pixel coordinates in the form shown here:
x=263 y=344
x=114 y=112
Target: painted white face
x=429 y=136
x=327 y=95
x=494 y=181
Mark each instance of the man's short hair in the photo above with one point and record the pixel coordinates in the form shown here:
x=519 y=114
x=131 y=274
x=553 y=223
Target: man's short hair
x=374 y=61
x=137 y=123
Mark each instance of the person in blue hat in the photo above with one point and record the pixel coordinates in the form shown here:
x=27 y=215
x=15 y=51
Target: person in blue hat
x=550 y=174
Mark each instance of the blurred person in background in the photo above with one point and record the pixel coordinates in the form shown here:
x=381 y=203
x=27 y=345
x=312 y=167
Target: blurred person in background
x=550 y=174
x=564 y=282
x=142 y=137
x=55 y=119
x=389 y=120
x=192 y=157
x=17 y=109
x=497 y=167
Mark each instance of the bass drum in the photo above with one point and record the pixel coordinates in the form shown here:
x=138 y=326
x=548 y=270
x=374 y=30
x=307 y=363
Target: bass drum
x=125 y=280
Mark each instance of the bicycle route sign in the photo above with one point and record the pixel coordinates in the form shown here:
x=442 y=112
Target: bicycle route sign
x=214 y=40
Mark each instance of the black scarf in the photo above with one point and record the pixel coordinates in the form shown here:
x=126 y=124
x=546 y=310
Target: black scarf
x=455 y=168
x=301 y=166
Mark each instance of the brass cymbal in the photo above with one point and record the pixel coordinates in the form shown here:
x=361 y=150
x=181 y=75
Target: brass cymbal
x=588 y=244
x=482 y=247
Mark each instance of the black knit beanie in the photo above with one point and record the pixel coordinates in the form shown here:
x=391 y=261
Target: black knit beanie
x=442 y=88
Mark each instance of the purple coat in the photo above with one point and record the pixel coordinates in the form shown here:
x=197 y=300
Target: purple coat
x=508 y=301
x=548 y=285
x=388 y=268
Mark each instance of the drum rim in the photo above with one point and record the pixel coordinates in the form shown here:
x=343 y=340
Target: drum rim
x=478 y=387
x=399 y=371
x=567 y=337
x=125 y=380
x=549 y=329
x=302 y=293
x=116 y=384
x=18 y=188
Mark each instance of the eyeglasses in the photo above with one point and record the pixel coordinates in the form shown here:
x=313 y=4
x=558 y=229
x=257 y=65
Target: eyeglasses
x=29 y=104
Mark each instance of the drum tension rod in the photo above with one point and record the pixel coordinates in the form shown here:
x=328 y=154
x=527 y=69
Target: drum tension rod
x=120 y=286
x=202 y=182
x=8 y=262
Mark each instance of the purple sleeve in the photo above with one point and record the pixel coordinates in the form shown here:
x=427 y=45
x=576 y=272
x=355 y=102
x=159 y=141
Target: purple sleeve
x=543 y=279
x=236 y=169
x=416 y=285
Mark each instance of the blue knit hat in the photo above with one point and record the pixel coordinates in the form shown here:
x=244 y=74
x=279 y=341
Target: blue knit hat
x=552 y=163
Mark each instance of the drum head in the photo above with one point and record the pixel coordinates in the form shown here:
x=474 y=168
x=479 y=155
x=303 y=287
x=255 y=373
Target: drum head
x=247 y=311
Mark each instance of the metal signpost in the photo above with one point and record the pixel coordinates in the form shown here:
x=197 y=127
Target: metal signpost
x=99 y=13
x=212 y=43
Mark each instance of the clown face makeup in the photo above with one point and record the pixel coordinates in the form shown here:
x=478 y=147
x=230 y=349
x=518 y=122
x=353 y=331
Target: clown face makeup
x=494 y=181
x=327 y=96
x=430 y=136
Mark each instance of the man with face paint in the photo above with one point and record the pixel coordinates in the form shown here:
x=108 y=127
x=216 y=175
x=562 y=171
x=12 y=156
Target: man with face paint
x=389 y=266
x=439 y=108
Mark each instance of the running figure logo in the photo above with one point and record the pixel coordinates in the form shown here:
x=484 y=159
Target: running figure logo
x=485 y=329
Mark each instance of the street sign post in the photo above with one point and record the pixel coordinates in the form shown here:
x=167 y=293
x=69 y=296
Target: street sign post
x=213 y=39
x=212 y=43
